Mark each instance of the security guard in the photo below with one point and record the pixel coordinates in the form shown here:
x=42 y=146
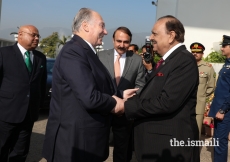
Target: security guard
x=221 y=105
x=206 y=81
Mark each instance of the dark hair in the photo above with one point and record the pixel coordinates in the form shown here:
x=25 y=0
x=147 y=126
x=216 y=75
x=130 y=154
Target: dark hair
x=173 y=24
x=136 y=48
x=144 y=46
x=125 y=30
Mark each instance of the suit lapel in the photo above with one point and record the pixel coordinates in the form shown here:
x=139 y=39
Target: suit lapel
x=163 y=65
x=21 y=61
x=166 y=61
x=110 y=58
x=35 y=65
x=128 y=62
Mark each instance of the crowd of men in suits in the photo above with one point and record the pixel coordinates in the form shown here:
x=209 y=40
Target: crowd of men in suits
x=94 y=92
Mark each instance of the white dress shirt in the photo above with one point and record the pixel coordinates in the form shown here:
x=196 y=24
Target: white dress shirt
x=122 y=60
x=23 y=50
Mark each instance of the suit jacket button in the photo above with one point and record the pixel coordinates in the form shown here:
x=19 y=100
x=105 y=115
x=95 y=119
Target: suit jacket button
x=28 y=95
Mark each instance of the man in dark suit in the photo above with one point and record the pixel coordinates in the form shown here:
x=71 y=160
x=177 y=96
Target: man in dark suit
x=164 y=111
x=22 y=89
x=131 y=76
x=82 y=97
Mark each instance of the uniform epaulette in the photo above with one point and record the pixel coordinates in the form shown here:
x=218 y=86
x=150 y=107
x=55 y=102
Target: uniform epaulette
x=208 y=64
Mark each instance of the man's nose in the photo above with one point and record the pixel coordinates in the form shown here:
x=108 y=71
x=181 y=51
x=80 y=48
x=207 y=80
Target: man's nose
x=105 y=32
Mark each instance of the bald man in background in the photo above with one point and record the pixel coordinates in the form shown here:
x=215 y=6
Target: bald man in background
x=22 y=88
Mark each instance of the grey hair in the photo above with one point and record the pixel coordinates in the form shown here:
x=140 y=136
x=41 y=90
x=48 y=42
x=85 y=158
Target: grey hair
x=84 y=14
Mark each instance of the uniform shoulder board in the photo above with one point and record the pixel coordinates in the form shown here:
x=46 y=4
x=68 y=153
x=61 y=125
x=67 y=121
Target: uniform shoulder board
x=208 y=64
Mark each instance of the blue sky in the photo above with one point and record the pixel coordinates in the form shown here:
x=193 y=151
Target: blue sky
x=137 y=15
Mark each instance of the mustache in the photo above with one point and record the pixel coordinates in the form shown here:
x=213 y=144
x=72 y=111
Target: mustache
x=121 y=48
x=154 y=42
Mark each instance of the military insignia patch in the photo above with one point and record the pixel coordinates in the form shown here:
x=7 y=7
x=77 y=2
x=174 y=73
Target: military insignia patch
x=214 y=75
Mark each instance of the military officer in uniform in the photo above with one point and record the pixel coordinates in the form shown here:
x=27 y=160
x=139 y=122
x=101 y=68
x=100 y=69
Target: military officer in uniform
x=221 y=105
x=206 y=81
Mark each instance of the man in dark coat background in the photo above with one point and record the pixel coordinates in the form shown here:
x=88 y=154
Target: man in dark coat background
x=164 y=111
x=22 y=89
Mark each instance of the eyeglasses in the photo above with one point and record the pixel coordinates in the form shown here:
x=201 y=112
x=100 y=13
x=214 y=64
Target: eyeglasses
x=33 y=35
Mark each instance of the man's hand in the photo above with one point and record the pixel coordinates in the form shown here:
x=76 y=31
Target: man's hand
x=119 y=108
x=148 y=66
x=129 y=93
x=219 y=116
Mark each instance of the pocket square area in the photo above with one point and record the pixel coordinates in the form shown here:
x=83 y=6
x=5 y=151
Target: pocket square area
x=159 y=74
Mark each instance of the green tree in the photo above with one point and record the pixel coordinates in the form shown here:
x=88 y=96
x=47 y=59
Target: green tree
x=49 y=44
x=63 y=40
x=215 y=57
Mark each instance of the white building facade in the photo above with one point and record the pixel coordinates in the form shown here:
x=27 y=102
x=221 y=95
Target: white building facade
x=205 y=21
x=5 y=42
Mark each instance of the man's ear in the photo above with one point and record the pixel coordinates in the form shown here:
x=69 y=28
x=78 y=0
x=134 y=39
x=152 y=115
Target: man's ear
x=172 y=36
x=85 y=26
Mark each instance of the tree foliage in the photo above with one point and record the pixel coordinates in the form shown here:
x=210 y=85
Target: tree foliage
x=49 y=45
x=63 y=40
x=215 y=57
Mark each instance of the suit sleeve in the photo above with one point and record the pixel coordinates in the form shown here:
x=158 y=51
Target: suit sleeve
x=140 y=79
x=140 y=76
x=226 y=104
x=78 y=73
x=175 y=91
x=211 y=82
x=43 y=82
x=1 y=70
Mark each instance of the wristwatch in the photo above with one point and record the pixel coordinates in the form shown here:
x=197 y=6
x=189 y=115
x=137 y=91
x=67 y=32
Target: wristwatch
x=221 y=111
x=149 y=71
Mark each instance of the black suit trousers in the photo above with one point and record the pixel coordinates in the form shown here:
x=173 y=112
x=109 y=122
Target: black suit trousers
x=122 y=131
x=15 y=140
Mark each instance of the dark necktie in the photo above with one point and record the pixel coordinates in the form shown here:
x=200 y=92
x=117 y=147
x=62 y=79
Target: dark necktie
x=159 y=63
x=28 y=61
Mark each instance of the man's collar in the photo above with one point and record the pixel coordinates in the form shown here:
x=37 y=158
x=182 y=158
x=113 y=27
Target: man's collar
x=122 y=55
x=171 y=50
x=90 y=46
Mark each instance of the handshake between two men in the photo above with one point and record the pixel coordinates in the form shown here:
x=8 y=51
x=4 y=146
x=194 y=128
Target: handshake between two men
x=120 y=107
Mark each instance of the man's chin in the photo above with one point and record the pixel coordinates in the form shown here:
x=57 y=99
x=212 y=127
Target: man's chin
x=99 y=43
x=34 y=46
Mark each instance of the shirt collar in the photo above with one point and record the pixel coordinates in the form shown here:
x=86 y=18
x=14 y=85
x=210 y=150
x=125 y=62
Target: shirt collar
x=171 y=50
x=122 y=55
x=90 y=46
x=22 y=49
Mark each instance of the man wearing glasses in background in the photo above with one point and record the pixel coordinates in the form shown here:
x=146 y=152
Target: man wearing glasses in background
x=206 y=81
x=22 y=89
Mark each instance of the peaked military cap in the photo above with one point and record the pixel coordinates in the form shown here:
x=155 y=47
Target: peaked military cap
x=226 y=40
x=197 y=47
